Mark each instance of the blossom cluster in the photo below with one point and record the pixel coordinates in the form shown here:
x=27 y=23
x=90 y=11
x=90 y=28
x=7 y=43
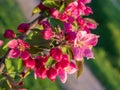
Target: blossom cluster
x=69 y=41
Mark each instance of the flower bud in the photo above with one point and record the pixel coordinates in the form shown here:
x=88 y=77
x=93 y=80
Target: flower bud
x=52 y=73
x=56 y=54
x=42 y=72
x=42 y=7
x=9 y=34
x=70 y=36
x=29 y=63
x=24 y=27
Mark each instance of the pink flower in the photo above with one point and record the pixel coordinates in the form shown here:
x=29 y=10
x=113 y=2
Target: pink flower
x=22 y=28
x=67 y=27
x=25 y=55
x=88 y=11
x=70 y=69
x=78 y=53
x=13 y=43
x=29 y=63
x=84 y=1
x=23 y=44
x=56 y=54
x=88 y=53
x=9 y=34
x=80 y=21
x=47 y=34
x=63 y=17
x=1 y=43
x=86 y=39
x=70 y=36
x=52 y=73
x=14 y=53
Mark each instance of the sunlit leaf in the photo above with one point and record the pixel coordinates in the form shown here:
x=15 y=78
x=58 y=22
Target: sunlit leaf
x=36 y=10
x=49 y=62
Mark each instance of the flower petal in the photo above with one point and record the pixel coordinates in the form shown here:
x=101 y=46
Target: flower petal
x=63 y=75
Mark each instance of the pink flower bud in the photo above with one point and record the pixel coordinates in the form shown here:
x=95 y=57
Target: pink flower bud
x=42 y=72
x=56 y=54
x=63 y=17
x=9 y=34
x=24 y=27
x=47 y=34
x=52 y=73
x=14 y=53
x=80 y=21
x=1 y=43
x=55 y=13
x=12 y=43
x=42 y=7
x=29 y=63
x=25 y=55
x=70 y=36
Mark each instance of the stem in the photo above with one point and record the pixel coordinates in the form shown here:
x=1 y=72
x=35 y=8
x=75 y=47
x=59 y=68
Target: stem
x=32 y=25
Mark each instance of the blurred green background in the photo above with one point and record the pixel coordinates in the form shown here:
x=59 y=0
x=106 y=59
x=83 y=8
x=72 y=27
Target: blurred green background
x=106 y=66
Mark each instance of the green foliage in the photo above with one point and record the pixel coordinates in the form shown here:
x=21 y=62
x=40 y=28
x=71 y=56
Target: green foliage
x=107 y=62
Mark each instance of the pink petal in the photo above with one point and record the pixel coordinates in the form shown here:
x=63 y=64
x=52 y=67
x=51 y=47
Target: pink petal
x=63 y=75
x=25 y=55
x=88 y=53
x=72 y=68
x=78 y=53
x=13 y=43
x=1 y=42
x=14 y=53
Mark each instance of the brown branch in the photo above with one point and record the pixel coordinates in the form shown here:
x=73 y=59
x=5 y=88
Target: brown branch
x=32 y=25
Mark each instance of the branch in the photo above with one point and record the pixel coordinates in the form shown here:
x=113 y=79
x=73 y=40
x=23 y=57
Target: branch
x=32 y=25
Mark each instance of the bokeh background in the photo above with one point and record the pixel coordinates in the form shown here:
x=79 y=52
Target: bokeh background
x=106 y=66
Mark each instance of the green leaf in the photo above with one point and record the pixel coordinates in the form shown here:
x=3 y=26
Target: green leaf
x=70 y=53
x=34 y=50
x=49 y=62
x=56 y=23
x=62 y=7
x=4 y=85
x=51 y=3
x=36 y=10
x=10 y=68
x=64 y=50
x=20 y=65
x=38 y=40
x=80 y=68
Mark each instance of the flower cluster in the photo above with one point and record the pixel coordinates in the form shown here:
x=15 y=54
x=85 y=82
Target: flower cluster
x=65 y=39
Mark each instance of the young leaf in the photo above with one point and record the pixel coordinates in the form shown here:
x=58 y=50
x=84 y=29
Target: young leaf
x=36 y=10
x=51 y=3
x=49 y=62
x=20 y=65
x=80 y=68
